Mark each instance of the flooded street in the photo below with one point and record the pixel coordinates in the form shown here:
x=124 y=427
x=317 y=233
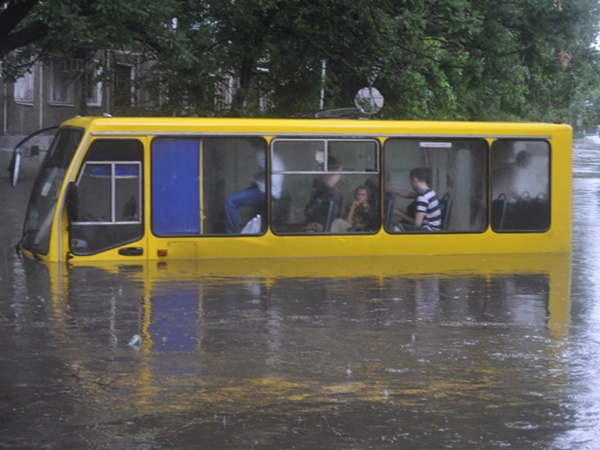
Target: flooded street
x=453 y=352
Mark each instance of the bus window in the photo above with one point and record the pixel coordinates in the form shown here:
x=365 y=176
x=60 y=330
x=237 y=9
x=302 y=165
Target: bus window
x=355 y=156
x=108 y=211
x=520 y=185
x=197 y=184
x=320 y=177
x=45 y=192
x=456 y=172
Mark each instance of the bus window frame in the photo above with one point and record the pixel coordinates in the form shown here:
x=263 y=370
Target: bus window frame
x=113 y=197
x=443 y=143
x=325 y=141
x=492 y=194
x=326 y=150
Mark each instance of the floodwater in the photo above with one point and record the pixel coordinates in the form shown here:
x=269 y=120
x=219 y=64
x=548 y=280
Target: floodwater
x=494 y=353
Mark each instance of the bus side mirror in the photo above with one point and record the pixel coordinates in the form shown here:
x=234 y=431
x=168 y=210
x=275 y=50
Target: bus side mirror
x=72 y=202
x=15 y=169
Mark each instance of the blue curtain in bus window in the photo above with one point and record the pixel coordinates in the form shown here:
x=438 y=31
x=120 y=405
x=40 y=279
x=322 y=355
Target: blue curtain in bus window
x=175 y=187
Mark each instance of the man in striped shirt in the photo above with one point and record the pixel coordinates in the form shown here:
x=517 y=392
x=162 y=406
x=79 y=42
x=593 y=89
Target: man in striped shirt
x=428 y=215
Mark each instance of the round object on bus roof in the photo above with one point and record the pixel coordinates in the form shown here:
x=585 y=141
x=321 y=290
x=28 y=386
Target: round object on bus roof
x=368 y=100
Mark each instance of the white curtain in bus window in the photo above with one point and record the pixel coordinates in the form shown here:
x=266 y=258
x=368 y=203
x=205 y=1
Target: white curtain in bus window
x=320 y=178
x=520 y=185
x=455 y=170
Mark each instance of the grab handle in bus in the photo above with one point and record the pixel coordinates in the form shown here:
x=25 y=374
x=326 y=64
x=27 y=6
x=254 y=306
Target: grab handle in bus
x=131 y=251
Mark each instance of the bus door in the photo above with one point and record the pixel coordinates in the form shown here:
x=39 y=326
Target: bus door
x=105 y=202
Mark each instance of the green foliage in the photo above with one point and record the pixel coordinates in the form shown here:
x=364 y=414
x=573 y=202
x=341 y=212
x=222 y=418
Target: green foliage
x=443 y=59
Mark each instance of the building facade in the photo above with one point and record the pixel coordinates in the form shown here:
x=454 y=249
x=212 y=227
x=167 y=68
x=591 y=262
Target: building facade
x=59 y=89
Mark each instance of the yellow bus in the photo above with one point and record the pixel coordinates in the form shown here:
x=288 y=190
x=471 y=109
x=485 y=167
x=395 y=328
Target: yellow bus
x=204 y=188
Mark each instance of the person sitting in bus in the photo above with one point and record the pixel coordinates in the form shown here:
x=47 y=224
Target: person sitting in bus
x=515 y=180
x=254 y=196
x=360 y=214
x=428 y=214
x=325 y=202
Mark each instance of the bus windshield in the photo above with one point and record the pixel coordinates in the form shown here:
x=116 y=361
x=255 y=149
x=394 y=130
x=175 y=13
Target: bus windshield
x=44 y=195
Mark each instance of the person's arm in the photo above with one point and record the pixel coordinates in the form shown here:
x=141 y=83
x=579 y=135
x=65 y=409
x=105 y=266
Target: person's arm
x=404 y=217
x=419 y=219
x=406 y=193
x=351 y=211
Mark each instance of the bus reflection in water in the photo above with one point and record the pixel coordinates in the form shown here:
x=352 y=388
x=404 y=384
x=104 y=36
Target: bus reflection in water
x=255 y=320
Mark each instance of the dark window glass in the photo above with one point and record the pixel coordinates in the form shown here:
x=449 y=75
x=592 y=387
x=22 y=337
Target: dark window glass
x=520 y=185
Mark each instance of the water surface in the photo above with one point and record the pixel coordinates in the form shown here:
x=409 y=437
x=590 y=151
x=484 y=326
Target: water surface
x=470 y=352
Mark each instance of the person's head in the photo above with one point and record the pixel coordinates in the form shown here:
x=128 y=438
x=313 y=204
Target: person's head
x=362 y=194
x=333 y=164
x=419 y=178
x=523 y=159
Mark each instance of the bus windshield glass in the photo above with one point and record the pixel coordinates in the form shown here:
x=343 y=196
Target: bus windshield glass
x=46 y=189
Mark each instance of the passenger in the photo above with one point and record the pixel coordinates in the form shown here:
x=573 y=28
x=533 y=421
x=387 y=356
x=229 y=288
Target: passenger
x=325 y=194
x=428 y=214
x=360 y=214
x=254 y=196
x=516 y=180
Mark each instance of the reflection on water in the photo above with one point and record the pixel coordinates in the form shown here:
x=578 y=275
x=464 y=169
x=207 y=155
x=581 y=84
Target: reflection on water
x=295 y=353
x=583 y=346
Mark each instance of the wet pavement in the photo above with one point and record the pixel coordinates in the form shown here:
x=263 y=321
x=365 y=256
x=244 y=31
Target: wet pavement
x=470 y=352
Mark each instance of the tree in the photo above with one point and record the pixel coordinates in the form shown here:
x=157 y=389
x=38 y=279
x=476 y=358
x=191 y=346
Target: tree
x=442 y=59
x=12 y=36
x=73 y=28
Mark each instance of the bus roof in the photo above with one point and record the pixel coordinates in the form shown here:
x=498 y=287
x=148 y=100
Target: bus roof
x=190 y=125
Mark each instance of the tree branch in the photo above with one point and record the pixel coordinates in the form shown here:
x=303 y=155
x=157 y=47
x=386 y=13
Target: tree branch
x=13 y=15
x=32 y=33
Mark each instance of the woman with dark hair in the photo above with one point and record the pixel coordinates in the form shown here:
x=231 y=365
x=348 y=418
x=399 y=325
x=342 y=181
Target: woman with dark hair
x=360 y=214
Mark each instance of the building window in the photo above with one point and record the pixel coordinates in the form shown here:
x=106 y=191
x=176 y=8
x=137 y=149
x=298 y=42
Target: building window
x=62 y=73
x=23 y=89
x=94 y=87
x=123 y=85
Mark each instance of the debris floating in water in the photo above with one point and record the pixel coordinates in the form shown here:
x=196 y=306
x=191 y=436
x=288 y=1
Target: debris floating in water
x=135 y=340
